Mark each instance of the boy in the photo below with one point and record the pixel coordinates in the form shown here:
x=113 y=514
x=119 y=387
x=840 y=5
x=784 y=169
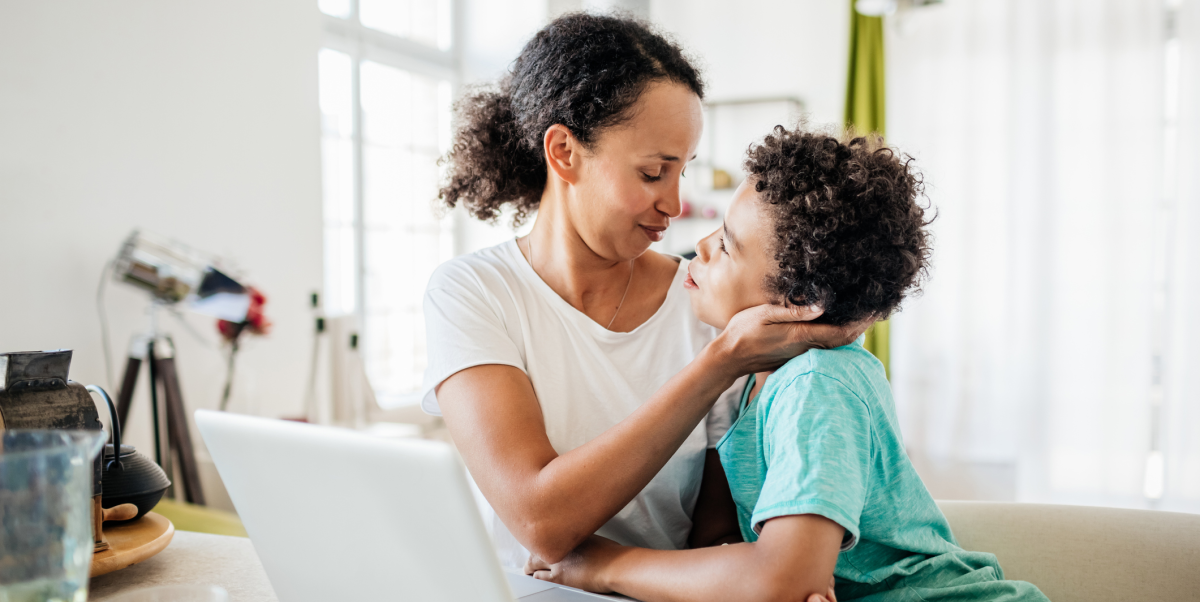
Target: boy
x=819 y=479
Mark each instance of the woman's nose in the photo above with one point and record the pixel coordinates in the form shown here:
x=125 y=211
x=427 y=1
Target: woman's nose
x=671 y=204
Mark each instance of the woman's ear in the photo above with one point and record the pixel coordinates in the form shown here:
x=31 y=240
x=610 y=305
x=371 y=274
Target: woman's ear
x=563 y=153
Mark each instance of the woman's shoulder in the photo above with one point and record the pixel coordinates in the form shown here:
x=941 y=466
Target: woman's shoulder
x=664 y=262
x=660 y=285
x=663 y=269
x=481 y=270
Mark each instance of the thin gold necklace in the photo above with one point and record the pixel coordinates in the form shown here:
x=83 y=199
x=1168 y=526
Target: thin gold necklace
x=529 y=244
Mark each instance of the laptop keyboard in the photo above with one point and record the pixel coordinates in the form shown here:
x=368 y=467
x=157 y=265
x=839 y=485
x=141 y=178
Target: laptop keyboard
x=528 y=589
x=559 y=594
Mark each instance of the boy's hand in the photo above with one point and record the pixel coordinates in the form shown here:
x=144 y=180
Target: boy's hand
x=584 y=568
x=828 y=597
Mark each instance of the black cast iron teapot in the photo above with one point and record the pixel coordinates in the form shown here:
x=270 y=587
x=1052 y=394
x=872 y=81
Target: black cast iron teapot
x=130 y=477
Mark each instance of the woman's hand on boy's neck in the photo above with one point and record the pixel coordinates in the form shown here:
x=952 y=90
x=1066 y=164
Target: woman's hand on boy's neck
x=765 y=337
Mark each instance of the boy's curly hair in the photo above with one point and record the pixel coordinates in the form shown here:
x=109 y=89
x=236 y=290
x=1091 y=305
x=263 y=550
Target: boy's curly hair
x=850 y=233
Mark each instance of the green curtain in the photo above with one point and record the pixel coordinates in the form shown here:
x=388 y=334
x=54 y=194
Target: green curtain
x=865 y=102
x=866 y=110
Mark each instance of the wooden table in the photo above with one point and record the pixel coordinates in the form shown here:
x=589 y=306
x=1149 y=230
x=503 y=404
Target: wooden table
x=199 y=558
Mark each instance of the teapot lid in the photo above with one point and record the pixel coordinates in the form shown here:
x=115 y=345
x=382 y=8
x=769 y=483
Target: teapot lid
x=126 y=451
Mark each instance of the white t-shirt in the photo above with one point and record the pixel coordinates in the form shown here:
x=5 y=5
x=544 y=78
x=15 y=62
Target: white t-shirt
x=490 y=307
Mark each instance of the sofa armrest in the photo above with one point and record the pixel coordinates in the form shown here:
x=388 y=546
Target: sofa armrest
x=1081 y=553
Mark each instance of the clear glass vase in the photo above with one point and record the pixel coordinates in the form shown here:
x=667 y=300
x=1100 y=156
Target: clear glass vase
x=46 y=514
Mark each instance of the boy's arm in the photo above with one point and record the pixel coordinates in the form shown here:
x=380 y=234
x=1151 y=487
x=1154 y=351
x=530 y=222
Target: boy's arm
x=792 y=560
x=714 y=521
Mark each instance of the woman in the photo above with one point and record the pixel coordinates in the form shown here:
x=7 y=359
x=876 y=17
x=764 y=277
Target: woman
x=572 y=374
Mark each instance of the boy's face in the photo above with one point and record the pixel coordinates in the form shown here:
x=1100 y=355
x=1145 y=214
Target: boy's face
x=732 y=264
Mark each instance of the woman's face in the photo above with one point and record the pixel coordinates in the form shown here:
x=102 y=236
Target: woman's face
x=732 y=264
x=628 y=189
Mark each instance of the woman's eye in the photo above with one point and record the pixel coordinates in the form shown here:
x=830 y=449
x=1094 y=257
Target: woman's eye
x=723 y=246
x=650 y=178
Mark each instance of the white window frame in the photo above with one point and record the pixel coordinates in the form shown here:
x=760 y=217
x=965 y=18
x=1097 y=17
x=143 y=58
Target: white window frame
x=361 y=43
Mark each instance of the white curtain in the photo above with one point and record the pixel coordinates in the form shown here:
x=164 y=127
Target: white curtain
x=1181 y=416
x=1046 y=338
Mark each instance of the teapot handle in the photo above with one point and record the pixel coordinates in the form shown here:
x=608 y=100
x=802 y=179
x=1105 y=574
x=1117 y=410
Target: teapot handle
x=116 y=427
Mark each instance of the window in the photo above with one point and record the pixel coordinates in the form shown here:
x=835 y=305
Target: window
x=386 y=75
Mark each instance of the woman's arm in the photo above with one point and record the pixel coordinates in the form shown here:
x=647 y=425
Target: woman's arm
x=792 y=561
x=551 y=503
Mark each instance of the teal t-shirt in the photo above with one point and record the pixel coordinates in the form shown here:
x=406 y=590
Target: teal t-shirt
x=821 y=437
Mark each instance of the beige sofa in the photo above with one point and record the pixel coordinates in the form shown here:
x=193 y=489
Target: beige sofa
x=1086 y=554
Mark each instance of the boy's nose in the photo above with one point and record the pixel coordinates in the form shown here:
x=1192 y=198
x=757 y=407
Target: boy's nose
x=702 y=248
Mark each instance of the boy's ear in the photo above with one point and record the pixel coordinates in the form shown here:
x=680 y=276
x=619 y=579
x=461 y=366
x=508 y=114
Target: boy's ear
x=805 y=313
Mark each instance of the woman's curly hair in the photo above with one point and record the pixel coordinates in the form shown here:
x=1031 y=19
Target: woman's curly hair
x=582 y=71
x=850 y=234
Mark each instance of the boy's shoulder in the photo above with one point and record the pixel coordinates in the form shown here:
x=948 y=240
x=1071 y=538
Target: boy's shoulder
x=851 y=364
x=850 y=373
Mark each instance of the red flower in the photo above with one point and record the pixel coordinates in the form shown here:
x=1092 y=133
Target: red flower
x=256 y=321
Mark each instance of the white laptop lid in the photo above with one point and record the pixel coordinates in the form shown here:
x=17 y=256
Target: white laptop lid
x=336 y=515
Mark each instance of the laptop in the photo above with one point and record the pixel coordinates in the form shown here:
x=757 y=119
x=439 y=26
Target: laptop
x=340 y=515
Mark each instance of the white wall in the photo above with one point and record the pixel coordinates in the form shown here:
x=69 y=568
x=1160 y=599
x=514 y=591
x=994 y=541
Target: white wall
x=494 y=32
x=637 y=8
x=196 y=120
x=765 y=48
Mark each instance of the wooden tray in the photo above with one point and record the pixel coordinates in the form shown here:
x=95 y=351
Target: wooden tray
x=133 y=542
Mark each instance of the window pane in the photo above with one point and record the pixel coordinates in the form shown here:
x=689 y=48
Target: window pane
x=405 y=120
x=337 y=175
x=335 y=8
x=426 y=21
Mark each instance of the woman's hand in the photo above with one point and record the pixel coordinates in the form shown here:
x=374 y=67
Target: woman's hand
x=584 y=568
x=767 y=336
